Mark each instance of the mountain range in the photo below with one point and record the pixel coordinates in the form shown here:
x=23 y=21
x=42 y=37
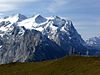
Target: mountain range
x=38 y=38
x=94 y=42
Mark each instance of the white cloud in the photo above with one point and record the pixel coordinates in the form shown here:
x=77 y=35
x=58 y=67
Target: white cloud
x=56 y=5
x=9 y=5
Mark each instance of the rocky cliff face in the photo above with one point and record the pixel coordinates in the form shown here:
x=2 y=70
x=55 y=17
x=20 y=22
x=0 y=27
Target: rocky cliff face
x=37 y=38
x=20 y=45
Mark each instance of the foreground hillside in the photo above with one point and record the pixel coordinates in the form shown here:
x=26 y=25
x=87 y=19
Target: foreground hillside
x=64 y=66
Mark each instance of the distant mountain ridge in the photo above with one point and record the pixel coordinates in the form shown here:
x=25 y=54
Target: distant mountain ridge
x=94 y=42
x=38 y=38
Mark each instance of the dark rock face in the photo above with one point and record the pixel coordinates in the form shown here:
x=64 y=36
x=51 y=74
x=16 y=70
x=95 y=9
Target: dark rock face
x=66 y=37
x=20 y=17
x=40 y=19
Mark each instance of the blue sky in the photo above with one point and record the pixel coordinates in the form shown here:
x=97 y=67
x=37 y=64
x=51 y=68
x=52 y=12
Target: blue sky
x=85 y=14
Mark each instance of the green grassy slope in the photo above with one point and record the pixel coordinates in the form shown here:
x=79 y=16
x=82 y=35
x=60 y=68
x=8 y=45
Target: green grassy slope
x=64 y=66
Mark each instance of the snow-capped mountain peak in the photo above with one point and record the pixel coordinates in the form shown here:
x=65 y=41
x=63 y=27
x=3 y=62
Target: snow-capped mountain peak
x=14 y=19
x=33 y=22
x=8 y=22
x=19 y=17
x=40 y=23
x=94 y=42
